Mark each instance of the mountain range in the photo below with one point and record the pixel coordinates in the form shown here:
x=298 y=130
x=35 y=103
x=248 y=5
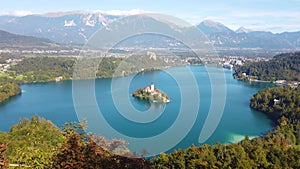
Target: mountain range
x=9 y=40
x=78 y=26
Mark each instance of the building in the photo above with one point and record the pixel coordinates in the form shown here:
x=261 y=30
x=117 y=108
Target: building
x=58 y=79
x=228 y=66
x=149 y=89
x=152 y=87
x=276 y=101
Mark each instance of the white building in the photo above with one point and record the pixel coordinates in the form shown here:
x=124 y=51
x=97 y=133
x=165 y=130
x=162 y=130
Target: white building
x=276 y=101
x=152 y=87
x=58 y=79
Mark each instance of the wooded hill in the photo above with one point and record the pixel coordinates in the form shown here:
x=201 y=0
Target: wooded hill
x=282 y=67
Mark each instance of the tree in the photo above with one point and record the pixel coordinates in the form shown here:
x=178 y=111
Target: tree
x=8 y=90
x=32 y=142
x=81 y=151
x=3 y=161
x=285 y=66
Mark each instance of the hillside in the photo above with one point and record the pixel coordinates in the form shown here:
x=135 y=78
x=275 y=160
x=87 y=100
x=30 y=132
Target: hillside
x=9 y=40
x=222 y=36
x=278 y=148
x=8 y=90
x=76 y=27
x=282 y=67
x=286 y=106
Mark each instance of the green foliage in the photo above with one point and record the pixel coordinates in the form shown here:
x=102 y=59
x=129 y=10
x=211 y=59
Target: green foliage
x=39 y=144
x=286 y=113
x=84 y=151
x=277 y=149
x=288 y=106
x=140 y=94
x=256 y=153
x=43 y=69
x=281 y=67
x=8 y=90
x=158 y=96
x=32 y=142
x=108 y=67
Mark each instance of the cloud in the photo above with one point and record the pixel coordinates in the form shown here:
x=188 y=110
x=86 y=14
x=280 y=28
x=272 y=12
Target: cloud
x=21 y=13
x=122 y=13
x=277 y=28
x=17 y=13
x=291 y=14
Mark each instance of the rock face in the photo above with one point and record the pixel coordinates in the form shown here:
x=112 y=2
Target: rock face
x=151 y=94
x=76 y=27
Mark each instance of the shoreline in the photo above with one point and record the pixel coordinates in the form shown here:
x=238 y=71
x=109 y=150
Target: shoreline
x=142 y=72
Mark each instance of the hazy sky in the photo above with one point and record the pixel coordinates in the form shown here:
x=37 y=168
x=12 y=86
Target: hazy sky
x=270 y=15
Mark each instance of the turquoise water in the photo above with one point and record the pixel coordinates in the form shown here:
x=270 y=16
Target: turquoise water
x=54 y=102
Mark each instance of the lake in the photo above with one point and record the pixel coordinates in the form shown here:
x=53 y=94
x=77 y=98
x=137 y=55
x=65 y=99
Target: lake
x=54 y=102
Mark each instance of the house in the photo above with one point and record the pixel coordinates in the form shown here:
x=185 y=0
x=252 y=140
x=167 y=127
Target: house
x=59 y=78
x=276 y=101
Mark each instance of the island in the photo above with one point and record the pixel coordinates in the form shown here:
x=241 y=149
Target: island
x=151 y=94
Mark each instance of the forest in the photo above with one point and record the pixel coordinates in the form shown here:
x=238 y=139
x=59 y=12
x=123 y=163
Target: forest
x=45 y=69
x=280 y=102
x=279 y=148
x=8 y=90
x=39 y=144
x=42 y=69
x=281 y=67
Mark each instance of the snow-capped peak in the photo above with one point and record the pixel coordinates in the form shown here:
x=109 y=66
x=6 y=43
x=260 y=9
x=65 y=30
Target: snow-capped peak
x=212 y=23
x=243 y=30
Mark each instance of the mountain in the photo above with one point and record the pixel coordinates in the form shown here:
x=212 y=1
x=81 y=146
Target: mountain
x=291 y=37
x=76 y=27
x=67 y=27
x=9 y=40
x=243 y=30
x=210 y=27
x=223 y=37
x=132 y=36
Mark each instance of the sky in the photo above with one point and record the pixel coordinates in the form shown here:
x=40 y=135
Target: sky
x=268 y=15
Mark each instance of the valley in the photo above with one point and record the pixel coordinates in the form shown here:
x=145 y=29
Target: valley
x=217 y=87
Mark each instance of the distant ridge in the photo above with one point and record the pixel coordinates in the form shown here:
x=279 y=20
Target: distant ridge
x=9 y=40
x=76 y=27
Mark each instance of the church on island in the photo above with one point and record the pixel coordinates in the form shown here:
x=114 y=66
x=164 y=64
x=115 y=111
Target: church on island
x=150 y=88
x=151 y=94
